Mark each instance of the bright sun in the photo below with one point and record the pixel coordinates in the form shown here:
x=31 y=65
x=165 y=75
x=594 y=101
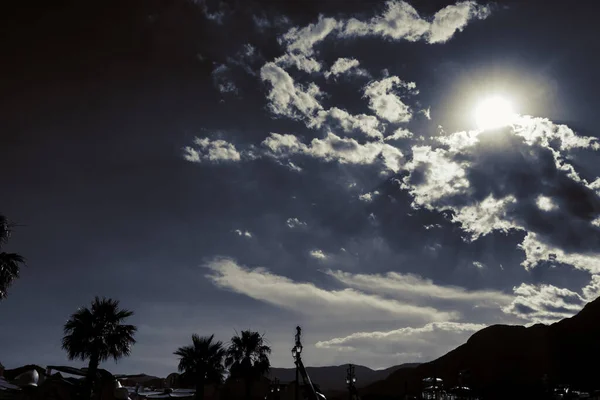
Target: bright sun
x=493 y=113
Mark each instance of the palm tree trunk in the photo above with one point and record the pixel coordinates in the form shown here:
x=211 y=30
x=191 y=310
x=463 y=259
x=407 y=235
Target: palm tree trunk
x=91 y=376
x=249 y=389
x=199 y=387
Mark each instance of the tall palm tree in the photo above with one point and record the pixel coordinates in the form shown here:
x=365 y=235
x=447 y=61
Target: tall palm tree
x=97 y=334
x=9 y=262
x=248 y=358
x=202 y=362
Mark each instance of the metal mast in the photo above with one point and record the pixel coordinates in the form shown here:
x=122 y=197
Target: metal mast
x=350 y=381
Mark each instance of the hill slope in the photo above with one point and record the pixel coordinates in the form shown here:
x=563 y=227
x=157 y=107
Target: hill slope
x=334 y=377
x=512 y=360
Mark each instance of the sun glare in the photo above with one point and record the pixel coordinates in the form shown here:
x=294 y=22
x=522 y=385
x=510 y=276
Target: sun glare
x=493 y=113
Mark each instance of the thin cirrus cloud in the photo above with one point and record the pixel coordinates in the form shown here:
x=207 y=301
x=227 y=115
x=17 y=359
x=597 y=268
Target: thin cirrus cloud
x=348 y=304
x=409 y=287
x=409 y=343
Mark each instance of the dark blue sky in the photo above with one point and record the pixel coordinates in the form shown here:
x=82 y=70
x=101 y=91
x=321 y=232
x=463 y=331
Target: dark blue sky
x=218 y=166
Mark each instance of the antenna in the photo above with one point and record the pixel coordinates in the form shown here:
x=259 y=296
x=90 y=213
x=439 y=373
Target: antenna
x=296 y=352
x=350 y=381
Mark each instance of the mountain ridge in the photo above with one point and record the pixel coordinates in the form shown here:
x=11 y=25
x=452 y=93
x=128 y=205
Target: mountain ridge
x=333 y=377
x=512 y=360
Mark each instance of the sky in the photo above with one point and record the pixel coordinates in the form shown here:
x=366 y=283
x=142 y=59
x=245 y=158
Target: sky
x=220 y=165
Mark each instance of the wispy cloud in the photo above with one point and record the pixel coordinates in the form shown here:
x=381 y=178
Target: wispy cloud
x=413 y=288
x=295 y=223
x=350 y=304
x=240 y=232
x=409 y=344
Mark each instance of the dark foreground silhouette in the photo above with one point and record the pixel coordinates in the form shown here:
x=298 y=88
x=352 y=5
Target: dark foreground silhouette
x=512 y=361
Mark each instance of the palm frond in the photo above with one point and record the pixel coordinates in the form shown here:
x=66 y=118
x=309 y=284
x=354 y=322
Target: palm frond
x=203 y=359
x=98 y=331
x=248 y=355
x=9 y=271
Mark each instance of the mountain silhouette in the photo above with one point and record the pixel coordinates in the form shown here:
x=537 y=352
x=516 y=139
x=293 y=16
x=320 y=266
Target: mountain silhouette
x=333 y=378
x=513 y=362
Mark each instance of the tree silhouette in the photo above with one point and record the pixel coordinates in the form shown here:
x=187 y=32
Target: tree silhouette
x=202 y=362
x=97 y=334
x=248 y=358
x=9 y=262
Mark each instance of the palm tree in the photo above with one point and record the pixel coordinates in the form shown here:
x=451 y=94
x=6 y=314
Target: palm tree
x=97 y=334
x=9 y=262
x=202 y=362
x=248 y=358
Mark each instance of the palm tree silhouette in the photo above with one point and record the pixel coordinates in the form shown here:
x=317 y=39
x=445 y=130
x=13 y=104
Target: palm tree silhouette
x=202 y=362
x=248 y=358
x=97 y=334
x=9 y=262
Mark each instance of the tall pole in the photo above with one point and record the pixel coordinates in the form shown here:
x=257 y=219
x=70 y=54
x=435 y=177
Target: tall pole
x=296 y=351
x=350 y=381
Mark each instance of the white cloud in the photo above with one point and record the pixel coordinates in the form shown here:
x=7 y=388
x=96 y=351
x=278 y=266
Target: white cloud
x=479 y=264
x=454 y=18
x=239 y=232
x=413 y=288
x=293 y=167
x=368 y=197
x=486 y=216
x=285 y=97
x=288 y=99
x=366 y=124
x=592 y=290
x=536 y=250
x=543 y=132
x=544 y=303
x=222 y=80
x=345 y=66
x=545 y=203
x=401 y=21
x=400 y=133
x=385 y=103
x=211 y=150
x=442 y=177
x=216 y=16
x=516 y=179
x=409 y=344
x=303 y=40
x=334 y=148
x=318 y=254
x=342 y=65
x=306 y=298
x=300 y=61
x=294 y=223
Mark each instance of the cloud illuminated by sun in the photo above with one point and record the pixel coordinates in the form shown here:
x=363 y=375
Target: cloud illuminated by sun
x=494 y=112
